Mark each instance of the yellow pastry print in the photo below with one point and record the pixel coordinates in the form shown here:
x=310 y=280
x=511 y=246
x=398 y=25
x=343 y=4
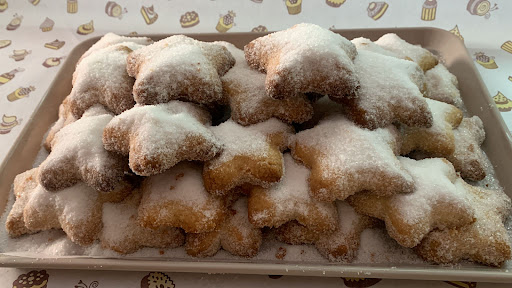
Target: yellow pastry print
x=428 y=10
x=486 y=61
x=15 y=22
x=510 y=78
x=189 y=19
x=55 y=44
x=3 y=5
x=4 y=43
x=8 y=76
x=115 y=10
x=86 y=28
x=455 y=31
x=226 y=22
x=34 y=2
x=20 y=93
x=461 y=284
x=377 y=9
x=502 y=102
x=19 y=54
x=33 y=279
x=149 y=14
x=156 y=280
x=481 y=8
x=294 y=6
x=507 y=46
x=335 y=3
x=47 y=25
x=72 y=6
x=52 y=62
x=8 y=122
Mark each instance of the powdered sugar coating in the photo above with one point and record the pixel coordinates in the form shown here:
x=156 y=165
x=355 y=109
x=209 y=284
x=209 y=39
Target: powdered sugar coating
x=177 y=198
x=416 y=53
x=443 y=86
x=362 y=43
x=157 y=137
x=65 y=117
x=345 y=159
x=388 y=95
x=244 y=88
x=290 y=200
x=305 y=58
x=78 y=154
x=111 y=39
x=179 y=67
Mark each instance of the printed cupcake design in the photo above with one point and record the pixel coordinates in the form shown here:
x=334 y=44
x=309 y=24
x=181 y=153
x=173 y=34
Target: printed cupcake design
x=8 y=76
x=19 y=54
x=259 y=29
x=149 y=14
x=226 y=22
x=294 y=6
x=335 y=3
x=502 y=102
x=461 y=284
x=481 y=8
x=52 y=62
x=47 y=25
x=72 y=6
x=34 y=2
x=15 y=22
x=20 y=93
x=428 y=10
x=32 y=279
x=455 y=31
x=189 y=19
x=55 y=44
x=4 y=43
x=3 y=5
x=507 y=46
x=86 y=28
x=9 y=122
x=360 y=282
x=115 y=10
x=377 y=9
x=156 y=280
x=486 y=61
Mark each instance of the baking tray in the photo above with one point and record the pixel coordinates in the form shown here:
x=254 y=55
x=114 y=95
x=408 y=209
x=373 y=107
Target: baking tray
x=474 y=93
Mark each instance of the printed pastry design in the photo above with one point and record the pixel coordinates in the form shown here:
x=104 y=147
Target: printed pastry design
x=47 y=25
x=189 y=19
x=259 y=29
x=72 y=6
x=20 y=54
x=226 y=22
x=377 y=9
x=3 y=5
x=115 y=10
x=428 y=10
x=15 y=22
x=8 y=122
x=34 y=2
x=294 y=6
x=502 y=102
x=52 y=61
x=55 y=44
x=335 y=3
x=507 y=46
x=33 y=279
x=156 y=280
x=20 y=93
x=149 y=14
x=486 y=61
x=8 y=76
x=481 y=8
x=455 y=31
x=86 y=28
x=4 y=43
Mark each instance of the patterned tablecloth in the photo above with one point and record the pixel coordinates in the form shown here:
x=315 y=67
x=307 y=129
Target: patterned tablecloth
x=36 y=36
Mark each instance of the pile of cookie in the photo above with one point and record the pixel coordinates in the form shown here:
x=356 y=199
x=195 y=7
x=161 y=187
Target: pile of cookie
x=303 y=135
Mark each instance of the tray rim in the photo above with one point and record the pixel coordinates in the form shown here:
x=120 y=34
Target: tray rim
x=434 y=272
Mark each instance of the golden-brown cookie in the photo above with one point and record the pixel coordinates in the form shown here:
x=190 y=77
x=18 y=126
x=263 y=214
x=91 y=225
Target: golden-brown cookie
x=179 y=67
x=305 y=58
x=345 y=159
x=442 y=86
x=425 y=59
x=485 y=241
x=65 y=117
x=157 y=137
x=437 y=202
x=290 y=200
x=251 y=155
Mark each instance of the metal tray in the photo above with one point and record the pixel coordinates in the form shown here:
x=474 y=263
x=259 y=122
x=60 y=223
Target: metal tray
x=474 y=93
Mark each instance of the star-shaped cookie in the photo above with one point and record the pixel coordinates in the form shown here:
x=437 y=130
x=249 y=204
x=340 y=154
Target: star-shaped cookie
x=425 y=59
x=345 y=159
x=78 y=155
x=235 y=235
x=387 y=95
x=65 y=117
x=251 y=155
x=181 y=201
x=179 y=67
x=305 y=58
x=443 y=86
x=485 y=241
x=157 y=137
x=290 y=200
x=244 y=90
x=437 y=202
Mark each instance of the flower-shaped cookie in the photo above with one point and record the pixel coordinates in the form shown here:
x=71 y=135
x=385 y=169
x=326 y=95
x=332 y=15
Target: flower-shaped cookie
x=122 y=233
x=179 y=67
x=305 y=58
x=78 y=154
x=290 y=200
x=244 y=90
x=235 y=235
x=388 y=95
x=442 y=86
x=341 y=245
x=102 y=78
x=437 y=140
x=425 y=59
x=251 y=155
x=345 y=159
x=157 y=137
x=177 y=198
x=437 y=202
x=485 y=241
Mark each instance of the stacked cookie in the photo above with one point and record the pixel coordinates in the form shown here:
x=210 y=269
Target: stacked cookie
x=315 y=138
